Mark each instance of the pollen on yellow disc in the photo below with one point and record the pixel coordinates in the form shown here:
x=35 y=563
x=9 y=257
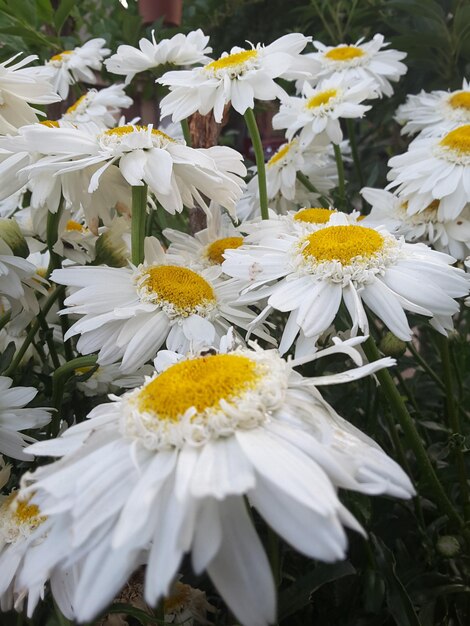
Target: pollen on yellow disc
x=458 y=140
x=76 y=104
x=61 y=55
x=321 y=98
x=344 y=53
x=216 y=249
x=73 y=225
x=231 y=61
x=460 y=100
x=50 y=123
x=128 y=128
x=179 y=285
x=314 y=215
x=280 y=154
x=343 y=243
x=201 y=383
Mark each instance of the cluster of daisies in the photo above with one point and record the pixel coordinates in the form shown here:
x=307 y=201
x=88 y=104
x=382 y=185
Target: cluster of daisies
x=198 y=338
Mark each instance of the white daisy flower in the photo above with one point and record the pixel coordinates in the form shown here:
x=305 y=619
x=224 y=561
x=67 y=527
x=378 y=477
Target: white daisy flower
x=18 y=281
x=174 y=462
x=206 y=247
x=391 y=211
x=74 y=240
x=320 y=108
x=240 y=77
x=362 y=62
x=106 y=379
x=434 y=169
x=351 y=263
x=23 y=530
x=285 y=192
x=174 y=172
x=19 y=86
x=179 y=50
x=15 y=418
x=27 y=165
x=100 y=107
x=432 y=114
x=79 y=64
x=128 y=313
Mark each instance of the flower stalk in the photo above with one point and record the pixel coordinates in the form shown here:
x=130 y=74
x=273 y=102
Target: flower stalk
x=413 y=439
x=340 y=168
x=252 y=126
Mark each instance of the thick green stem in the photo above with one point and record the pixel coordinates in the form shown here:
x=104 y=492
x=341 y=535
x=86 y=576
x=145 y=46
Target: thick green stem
x=33 y=330
x=186 y=131
x=354 y=150
x=59 y=378
x=307 y=183
x=454 y=422
x=340 y=168
x=139 y=214
x=413 y=439
x=259 y=156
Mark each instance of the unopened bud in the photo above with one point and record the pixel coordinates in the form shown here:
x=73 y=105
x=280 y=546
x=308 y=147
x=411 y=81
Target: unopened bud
x=111 y=248
x=11 y=234
x=448 y=546
x=392 y=346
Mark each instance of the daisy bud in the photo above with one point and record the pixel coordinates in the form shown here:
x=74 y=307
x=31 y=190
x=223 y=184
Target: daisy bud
x=111 y=248
x=448 y=546
x=11 y=234
x=392 y=346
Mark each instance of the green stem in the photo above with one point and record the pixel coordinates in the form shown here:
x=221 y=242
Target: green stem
x=414 y=440
x=49 y=340
x=259 y=156
x=354 y=150
x=340 y=168
x=64 y=325
x=307 y=183
x=454 y=422
x=186 y=131
x=425 y=366
x=52 y=234
x=33 y=330
x=59 y=378
x=139 y=214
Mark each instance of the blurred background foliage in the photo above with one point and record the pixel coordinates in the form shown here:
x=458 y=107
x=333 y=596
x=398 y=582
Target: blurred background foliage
x=415 y=570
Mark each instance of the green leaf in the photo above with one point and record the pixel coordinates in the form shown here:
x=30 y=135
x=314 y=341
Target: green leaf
x=45 y=11
x=25 y=11
x=7 y=356
x=299 y=594
x=62 y=13
x=397 y=598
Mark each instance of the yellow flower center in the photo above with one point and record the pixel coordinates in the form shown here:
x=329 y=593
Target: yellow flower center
x=235 y=62
x=50 y=123
x=61 y=55
x=314 y=215
x=343 y=243
x=179 y=599
x=76 y=104
x=120 y=131
x=344 y=53
x=321 y=98
x=200 y=383
x=460 y=100
x=458 y=140
x=21 y=511
x=216 y=249
x=280 y=154
x=73 y=225
x=178 y=286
